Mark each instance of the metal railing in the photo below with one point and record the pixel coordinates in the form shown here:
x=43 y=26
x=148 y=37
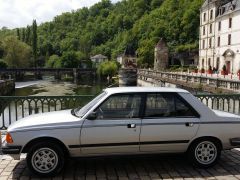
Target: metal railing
x=13 y=108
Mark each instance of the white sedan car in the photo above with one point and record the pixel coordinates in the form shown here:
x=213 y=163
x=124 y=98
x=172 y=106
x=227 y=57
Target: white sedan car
x=133 y=120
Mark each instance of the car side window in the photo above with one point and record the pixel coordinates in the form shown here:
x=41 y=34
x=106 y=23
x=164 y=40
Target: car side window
x=120 y=106
x=167 y=105
x=183 y=109
x=159 y=105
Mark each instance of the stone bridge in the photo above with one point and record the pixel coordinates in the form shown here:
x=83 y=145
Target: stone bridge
x=20 y=73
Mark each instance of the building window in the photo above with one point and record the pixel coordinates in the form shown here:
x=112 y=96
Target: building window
x=210 y=28
x=204 y=30
x=211 y=14
x=229 y=39
x=218 y=63
x=230 y=22
x=203 y=44
x=219 y=25
x=219 y=41
x=204 y=17
x=220 y=11
x=202 y=63
x=210 y=42
x=209 y=62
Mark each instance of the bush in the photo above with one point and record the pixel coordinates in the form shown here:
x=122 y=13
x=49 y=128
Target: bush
x=108 y=68
x=52 y=61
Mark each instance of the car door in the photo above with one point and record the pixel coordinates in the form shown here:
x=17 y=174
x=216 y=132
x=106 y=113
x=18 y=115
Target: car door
x=116 y=128
x=169 y=123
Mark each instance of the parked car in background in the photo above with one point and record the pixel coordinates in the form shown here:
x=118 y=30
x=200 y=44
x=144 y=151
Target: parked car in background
x=124 y=121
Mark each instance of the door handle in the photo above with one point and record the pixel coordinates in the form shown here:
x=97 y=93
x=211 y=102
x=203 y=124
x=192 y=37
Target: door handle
x=189 y=124
x=131 y=125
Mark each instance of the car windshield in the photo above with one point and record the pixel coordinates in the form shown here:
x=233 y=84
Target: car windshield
x=81 y=111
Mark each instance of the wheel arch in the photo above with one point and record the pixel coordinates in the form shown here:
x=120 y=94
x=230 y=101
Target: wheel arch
x=213 y=138
x=27 y=147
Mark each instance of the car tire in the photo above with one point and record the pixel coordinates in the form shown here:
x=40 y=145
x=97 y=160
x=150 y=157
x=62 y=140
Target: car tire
x=45 y=159
x=204 y=153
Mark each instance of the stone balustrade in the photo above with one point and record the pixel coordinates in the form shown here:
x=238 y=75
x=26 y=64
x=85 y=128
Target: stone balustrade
x=190 y=80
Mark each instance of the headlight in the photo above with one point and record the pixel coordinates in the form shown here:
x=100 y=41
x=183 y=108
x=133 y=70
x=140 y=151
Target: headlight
x=9 y=139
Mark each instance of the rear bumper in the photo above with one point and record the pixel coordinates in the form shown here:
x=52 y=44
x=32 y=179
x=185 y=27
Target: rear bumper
x=235 y=141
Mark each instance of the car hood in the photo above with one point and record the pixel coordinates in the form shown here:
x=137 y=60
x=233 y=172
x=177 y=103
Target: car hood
x=45 y=120
x=226 y=114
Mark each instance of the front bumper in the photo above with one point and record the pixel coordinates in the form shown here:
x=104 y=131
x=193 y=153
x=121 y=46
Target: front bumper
x=13 y=151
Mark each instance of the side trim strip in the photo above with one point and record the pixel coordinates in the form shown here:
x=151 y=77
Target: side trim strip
x=129 y=144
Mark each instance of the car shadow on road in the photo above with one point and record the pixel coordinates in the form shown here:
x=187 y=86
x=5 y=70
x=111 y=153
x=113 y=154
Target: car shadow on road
x=141 y=167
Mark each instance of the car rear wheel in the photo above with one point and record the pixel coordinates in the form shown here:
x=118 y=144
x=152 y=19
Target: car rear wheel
x=45 y=159
x=204 y=153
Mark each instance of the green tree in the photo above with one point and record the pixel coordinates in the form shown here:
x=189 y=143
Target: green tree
x=156 y=3
x=34 y=41
x=23 y=35
x=18 y=34
x=17 y=54
x=3 y=64
x=70 y=60
x=52 y=61
x=1 y=49
x=28 y=35
x=108 y=68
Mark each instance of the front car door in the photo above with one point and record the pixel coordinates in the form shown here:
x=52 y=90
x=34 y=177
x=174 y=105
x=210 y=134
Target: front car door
x=169 y=123
x=116 y=128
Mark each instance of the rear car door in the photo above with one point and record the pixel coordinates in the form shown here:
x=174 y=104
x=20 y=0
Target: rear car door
x=168 y=124
x=116 y=128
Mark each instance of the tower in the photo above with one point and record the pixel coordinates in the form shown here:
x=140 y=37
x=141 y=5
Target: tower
x=161 y=56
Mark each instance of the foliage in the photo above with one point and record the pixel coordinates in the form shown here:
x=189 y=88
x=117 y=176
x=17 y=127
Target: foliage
x=3 y=64
x=108 y=28
x=52 y=61
x=186 y=47
x=108 y=68
x=1 y=49
x=16 y=53
x=34 y=41
x=70 y=59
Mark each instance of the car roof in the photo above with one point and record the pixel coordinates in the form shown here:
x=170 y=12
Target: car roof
x=143 y=89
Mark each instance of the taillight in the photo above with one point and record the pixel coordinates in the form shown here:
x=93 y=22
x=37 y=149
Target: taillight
x=9 y=139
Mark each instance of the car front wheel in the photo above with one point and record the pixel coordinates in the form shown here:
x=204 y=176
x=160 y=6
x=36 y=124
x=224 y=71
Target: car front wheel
x=204 y=153
x=45 y=159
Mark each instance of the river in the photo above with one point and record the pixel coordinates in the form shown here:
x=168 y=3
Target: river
x=56 y=88
x=48 y=87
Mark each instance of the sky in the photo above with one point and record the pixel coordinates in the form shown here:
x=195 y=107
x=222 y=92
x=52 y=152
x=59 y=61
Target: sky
x=20 y=13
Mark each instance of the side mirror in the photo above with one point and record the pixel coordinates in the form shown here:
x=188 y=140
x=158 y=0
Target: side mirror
x=92 y=116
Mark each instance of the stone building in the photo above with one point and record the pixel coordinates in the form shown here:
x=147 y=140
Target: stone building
x=219 y=42
x=98 y=59
x=161 y=56
x=128 y=59
x=187 y=58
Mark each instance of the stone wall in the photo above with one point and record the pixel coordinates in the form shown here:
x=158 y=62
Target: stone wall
x=6 y=87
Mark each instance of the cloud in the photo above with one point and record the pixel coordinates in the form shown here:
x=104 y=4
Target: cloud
x=20 y=13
